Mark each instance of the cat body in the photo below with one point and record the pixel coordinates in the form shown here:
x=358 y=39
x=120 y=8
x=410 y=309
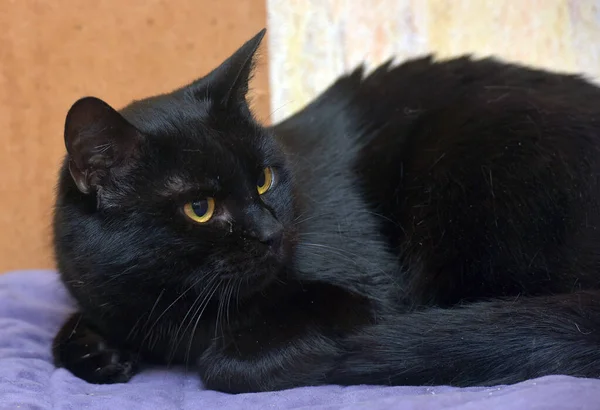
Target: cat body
x=433 y=222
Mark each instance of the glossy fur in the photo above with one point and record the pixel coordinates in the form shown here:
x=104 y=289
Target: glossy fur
x=440 y=226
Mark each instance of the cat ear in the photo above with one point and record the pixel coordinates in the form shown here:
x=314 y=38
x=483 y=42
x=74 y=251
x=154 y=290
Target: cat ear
x=99 y=141
x=228 y=83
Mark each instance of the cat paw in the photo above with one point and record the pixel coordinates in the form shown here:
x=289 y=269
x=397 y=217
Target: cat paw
x=104 y=366
x=89 y=356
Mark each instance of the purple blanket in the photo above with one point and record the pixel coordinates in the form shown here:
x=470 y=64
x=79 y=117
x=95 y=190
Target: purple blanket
x=33 y=305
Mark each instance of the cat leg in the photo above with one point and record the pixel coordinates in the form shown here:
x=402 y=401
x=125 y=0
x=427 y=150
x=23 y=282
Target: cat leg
x=79 y=348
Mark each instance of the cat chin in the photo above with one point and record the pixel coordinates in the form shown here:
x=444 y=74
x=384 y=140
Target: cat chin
x=271 y=269
x=254 y=283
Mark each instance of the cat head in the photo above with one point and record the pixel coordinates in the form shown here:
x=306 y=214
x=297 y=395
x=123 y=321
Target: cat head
x=182 y=189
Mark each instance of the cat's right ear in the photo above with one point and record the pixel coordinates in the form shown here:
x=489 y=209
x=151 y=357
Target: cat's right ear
x=99 y=141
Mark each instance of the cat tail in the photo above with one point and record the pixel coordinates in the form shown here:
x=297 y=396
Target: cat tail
x=485 y=343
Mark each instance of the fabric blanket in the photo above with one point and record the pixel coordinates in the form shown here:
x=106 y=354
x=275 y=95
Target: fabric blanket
x=33 y=304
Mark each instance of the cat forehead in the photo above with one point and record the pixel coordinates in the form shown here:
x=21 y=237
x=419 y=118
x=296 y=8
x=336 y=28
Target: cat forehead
x=192 y=126
x=192 y=145
x=213 y=163
x=198 y=174
x=167 y=113
x=207 y=162
x=192 y=121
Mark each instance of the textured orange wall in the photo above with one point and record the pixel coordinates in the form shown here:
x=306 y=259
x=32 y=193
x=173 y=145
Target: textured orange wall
x=51 y=53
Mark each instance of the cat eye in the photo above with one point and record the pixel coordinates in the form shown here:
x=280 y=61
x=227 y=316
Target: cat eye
x=265 y=180
x=200 y=211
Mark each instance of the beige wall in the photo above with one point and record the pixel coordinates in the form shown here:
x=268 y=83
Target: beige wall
x=313 y=41
x=53 y=52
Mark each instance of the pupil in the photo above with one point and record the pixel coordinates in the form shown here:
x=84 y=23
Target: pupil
x=262 y=180
x=200 y=207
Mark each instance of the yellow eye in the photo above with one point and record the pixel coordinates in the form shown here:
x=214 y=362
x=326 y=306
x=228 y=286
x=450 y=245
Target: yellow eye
x=265 y=180
x=200 y=211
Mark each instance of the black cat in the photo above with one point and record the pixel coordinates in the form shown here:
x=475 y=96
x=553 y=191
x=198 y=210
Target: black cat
x=434 y=222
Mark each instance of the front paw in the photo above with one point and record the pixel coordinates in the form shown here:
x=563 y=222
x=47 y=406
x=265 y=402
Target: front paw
x=86 y=354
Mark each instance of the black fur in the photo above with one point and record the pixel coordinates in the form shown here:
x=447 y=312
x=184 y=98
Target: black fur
x=440 y=225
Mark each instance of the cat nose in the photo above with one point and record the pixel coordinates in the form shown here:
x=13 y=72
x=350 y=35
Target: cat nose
x=272 y=236
x=264 y=227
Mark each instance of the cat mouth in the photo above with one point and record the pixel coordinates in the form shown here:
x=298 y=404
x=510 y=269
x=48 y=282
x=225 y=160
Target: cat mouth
x=280 y=254
x=267 y=263
x=271 y=260
x=264 y=262
x=273 y=253
x=263 y=272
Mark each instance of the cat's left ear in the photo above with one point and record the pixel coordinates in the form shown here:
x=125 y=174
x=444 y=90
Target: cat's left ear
x=228 y=83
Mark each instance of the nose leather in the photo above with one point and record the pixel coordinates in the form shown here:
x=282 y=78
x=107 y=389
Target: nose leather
x=260 y=224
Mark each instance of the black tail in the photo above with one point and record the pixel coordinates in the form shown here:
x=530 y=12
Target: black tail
x=488 y=343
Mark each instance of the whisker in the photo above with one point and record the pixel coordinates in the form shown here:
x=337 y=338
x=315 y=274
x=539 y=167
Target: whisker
x=306 y=219
x=219 y=309
x=205 y=300
x=334 y=250
x=133 y=329
x=237 y=296
x=205 y=303
x=229 y=295
x=169 y=307
x=175 y=339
